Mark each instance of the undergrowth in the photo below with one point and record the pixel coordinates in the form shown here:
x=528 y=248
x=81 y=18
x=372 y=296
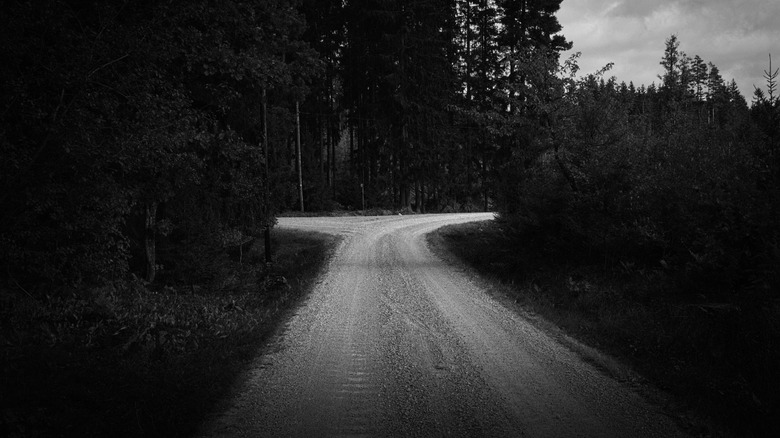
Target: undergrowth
x=132 y=359
x=717 y=357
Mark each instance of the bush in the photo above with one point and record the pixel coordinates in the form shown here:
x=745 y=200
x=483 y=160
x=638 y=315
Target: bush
x=129 y=359
x=677 y=192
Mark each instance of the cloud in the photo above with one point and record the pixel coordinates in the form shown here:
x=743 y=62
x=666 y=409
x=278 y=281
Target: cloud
x=735 y=35
x=634 y=8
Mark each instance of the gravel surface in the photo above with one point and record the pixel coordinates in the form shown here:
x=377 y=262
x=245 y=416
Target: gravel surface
x=393 y=341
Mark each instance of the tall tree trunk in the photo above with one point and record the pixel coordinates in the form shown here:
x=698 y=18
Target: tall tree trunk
x=565 y=170
x=396 y=181
x=423 y=200
x=403 y=174
x=417 y=196
x=485 y=183
x=322 y=149
x=332 y=134
x=266 y=204
x=469 y=91
x=326 y=145
x=298 y=152
x=351 y=167
x=150 y=240
x=468 y=162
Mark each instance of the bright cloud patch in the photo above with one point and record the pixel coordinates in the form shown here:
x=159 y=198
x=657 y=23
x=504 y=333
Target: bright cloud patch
x=735 y=35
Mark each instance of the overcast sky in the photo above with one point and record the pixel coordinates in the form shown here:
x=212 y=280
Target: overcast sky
x=735 y=35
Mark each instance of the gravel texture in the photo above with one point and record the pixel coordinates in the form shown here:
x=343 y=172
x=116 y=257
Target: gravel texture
x=393 y=341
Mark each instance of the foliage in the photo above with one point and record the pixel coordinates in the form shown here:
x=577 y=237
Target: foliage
x=132 y=359
x=127 y=122
x=714 y=360
x=673 y=177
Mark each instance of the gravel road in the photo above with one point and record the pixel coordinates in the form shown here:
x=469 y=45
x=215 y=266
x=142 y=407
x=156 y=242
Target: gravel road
x=393 y=341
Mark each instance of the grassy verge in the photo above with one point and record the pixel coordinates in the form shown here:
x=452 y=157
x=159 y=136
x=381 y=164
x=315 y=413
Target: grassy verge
x=132 y=360
x=718 y=360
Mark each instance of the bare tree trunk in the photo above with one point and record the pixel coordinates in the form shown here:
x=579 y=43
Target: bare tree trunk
x=565 y=171
x=423 y=201
x=332 y=134
x=417 y=196
x=468 y=163
x=266 y=206
x=150 y=242
x=404 y=187
x=321 y=152
x=469 y=91
x=485 y=183
x=298 y=151
x=351 y=167
x=326 y=145
x=394 y=178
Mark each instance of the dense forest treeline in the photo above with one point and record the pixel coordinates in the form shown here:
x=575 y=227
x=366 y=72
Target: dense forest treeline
x=139 y=135
x=128 y=122
x=680 y=176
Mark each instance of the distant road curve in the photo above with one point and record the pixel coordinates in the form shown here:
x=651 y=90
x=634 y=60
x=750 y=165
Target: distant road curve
x=395 y=342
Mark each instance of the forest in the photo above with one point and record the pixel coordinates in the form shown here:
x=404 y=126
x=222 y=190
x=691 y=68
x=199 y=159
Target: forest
x=135 y=132
x=138 y=138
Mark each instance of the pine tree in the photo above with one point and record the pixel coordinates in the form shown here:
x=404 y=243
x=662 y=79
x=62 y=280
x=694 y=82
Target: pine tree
x=700 y=72
x=400 y=97
x=716 y=94
x=530 y=30
x=480 y=70
x=676 y=74
x=161 y=131
x=479 y=51
x=531 y=24
x=325 y=34
x=765 y=111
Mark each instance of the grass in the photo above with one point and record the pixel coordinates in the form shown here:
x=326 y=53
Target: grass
x=719 y=361
x=130 y=359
